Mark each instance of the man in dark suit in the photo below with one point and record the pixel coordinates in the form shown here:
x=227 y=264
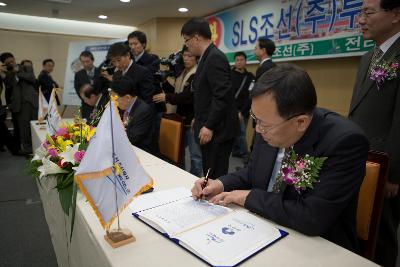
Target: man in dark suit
x=137 y=41
x=88 y=75
x=94 y=98
x=46 y=81
x=137 y=115
x=216 y=122
x=284 y=108
x=263 y=51
x=376 y=108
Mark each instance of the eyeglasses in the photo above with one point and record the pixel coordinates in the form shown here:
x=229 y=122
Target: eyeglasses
x=367 y=13
x=188 y=39
x=266 y=129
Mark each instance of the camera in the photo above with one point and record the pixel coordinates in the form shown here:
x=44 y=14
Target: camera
x=107 y=66
x=10 y=67
x=174 y=63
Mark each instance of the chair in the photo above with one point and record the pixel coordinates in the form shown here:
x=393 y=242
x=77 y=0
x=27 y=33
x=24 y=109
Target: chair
x=171 y=138
x=370 y=201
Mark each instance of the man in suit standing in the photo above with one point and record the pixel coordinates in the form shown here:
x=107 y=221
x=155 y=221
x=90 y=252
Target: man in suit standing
x=137 y=41
x=93 y=97
x=216 y=122
x=88 y=75
x=272 y=185
x=263 y=51
x=137 y=115
x=376 y=108
x=46 y=81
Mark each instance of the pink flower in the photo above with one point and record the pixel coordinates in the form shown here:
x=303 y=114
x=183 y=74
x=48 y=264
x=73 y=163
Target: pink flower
x=78 y=156
x=52 y=152
x=394 y=65
x=62 y=131
x=300 y=164
x=46 y=144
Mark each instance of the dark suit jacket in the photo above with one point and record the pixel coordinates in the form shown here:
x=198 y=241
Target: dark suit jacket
x=22 y=91
x=214 y=102
x=152 y=63
x=47 y=84
x=81 y=78
x=140 y=125
x=142 y=80
x=377 y=111
x=329 y=210
x=183 y=100
x=268 y=64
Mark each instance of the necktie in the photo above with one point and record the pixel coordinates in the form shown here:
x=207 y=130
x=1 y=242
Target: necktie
x=277 y=167
x=277 y=186
x=378 y=53
x=125 y=117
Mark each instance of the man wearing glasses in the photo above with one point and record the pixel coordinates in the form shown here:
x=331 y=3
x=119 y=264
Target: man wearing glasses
x=287 y=120
x=375 y=106
x=216 y=123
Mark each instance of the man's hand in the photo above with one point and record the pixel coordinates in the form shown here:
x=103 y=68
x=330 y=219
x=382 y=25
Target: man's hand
x=391 y=190
x=214 y=187
x=237 y=197
x=159 y=97
x=240 y=117
x=205 y=135
x=105 y=74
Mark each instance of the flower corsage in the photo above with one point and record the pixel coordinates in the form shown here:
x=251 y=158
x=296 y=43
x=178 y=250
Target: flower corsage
x=383 y=72
x=299 y=171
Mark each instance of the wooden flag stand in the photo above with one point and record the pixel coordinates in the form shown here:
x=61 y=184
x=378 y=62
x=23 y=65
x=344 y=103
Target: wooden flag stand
x=119 y=237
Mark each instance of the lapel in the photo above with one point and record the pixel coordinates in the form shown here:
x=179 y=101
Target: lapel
x=133 y=110
x=364 y=83
x=265 y=163
x=201 y=64
x=307 y=144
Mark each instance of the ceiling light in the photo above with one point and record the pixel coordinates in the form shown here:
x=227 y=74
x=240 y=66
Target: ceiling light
x=2 y=4
x=103 y=17
x=183 y=9
x=125 y=1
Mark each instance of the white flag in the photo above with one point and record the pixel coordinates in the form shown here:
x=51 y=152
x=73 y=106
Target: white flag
x=43 y=106
x=53 y=119
x=95 y=176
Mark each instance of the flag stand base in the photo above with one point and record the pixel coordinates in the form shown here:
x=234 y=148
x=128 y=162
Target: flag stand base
x=117 y=238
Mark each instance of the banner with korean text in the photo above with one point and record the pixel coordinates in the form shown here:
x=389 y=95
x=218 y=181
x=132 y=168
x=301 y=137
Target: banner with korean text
x=301 y=29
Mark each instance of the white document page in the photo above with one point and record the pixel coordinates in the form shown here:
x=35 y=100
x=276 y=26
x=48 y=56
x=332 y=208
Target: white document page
x=182 y=215
x=154 y=199
x=230 y=239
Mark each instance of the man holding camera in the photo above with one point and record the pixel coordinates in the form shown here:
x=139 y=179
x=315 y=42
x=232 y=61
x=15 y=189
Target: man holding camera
x=87 y=75
x=21 y=97
x=216 y=122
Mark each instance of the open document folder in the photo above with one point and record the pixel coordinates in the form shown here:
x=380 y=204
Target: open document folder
x=216 y=234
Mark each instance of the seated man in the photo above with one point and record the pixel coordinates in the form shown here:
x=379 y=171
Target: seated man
x=92 y=97
x=137 y=117
x=307 y=165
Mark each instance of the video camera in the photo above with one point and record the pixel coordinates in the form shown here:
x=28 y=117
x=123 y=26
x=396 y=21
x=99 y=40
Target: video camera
x=107 y=66
x=174 y=63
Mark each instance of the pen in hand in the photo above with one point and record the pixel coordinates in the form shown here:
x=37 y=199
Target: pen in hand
x=205 y=182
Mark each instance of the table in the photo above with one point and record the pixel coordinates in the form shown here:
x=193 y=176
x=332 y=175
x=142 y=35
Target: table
x=88 y=247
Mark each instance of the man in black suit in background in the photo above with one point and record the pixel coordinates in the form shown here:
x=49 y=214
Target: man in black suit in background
x=137 y=115
x=88 y=75
x=376 y=108
x=137 y=41
x=216 y=123
x=263 y=51
x=284 y=108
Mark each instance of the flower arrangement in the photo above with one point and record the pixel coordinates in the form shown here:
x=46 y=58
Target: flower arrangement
x=59 y=155
x=299 y=171
x=384 y=72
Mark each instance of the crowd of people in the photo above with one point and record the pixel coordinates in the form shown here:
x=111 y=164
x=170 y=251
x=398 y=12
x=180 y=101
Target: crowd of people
x=216 y=103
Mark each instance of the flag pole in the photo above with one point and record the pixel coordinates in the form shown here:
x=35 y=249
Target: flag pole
x=117 y=237
x=113 y=157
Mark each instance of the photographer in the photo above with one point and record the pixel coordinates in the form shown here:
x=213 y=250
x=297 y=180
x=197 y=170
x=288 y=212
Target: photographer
x=21 y=97
x=181 y=95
